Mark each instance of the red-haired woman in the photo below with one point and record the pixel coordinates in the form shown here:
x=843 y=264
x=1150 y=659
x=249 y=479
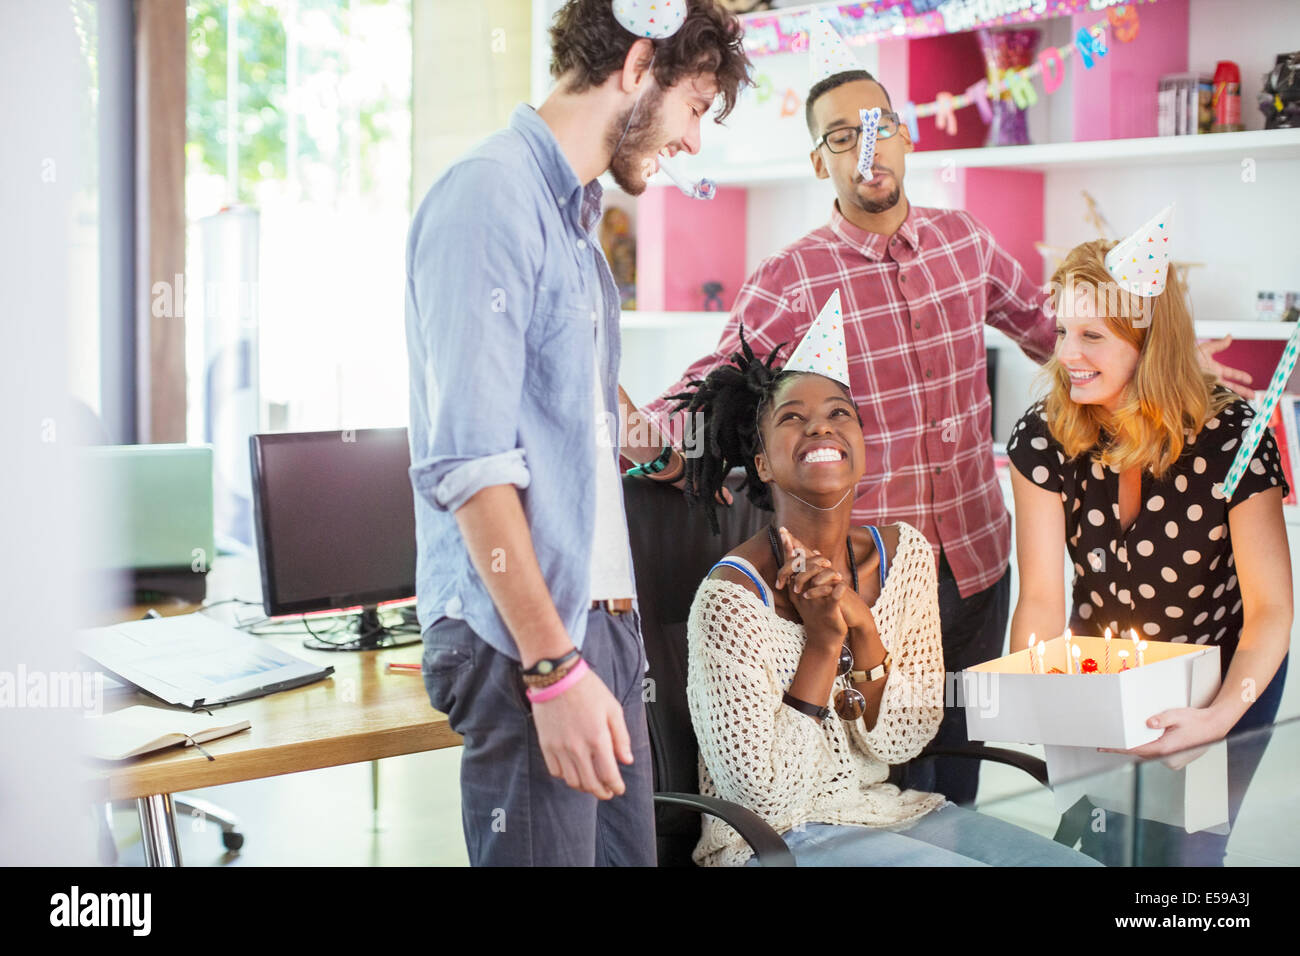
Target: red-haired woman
x=1121 y=465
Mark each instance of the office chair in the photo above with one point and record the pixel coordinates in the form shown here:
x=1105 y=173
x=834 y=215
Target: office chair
x=672 y=552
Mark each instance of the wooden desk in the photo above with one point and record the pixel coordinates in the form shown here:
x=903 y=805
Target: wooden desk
x=362 y=712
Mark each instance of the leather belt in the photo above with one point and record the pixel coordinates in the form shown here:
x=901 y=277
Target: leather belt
x=614 y=606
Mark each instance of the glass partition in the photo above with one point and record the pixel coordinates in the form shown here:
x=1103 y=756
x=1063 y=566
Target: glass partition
x=1139 y=814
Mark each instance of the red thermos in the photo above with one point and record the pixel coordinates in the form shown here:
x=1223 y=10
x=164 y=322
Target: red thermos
x=1226 y=102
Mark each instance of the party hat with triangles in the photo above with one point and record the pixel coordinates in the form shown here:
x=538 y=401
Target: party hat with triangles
x=822 y=347
x=828 y=53
x=1140 y=263
x=655 y=19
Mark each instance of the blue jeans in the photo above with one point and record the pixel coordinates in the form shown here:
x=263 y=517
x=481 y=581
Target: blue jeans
x=513 y=811
x=948 y=836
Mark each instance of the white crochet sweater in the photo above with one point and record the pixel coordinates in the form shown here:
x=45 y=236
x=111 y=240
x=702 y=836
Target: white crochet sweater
x=784 y=765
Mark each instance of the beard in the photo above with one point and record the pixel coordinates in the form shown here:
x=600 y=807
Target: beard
x=878 y=205
x=631 y=163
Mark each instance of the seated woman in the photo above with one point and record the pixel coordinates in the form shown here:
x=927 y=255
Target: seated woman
x=815 y=658
x=1122 y=467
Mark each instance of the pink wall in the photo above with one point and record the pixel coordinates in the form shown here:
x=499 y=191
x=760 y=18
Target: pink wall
x=1010 y=203
x=682 y=243
x=1116 y=99
x=949 y=64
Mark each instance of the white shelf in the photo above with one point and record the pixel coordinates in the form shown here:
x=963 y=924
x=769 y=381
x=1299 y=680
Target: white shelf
x=670 y=321
x=1206 y=149
x=1267 y=331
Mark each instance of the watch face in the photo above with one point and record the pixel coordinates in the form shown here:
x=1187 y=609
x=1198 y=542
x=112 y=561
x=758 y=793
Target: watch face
x=545 y=667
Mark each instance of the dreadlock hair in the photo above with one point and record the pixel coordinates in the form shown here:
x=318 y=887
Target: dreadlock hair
x=732 y=400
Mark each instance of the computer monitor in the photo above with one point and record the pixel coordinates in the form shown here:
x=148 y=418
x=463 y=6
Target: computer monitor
x=335 y=524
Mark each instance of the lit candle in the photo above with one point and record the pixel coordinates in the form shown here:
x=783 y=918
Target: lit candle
x=1142 y=652
x=1134 y=635
x=1123 y=661
x=1042 y=648
x=1066 y=648
x=1032 y=638
x=1075 y=652
x=1107 y=670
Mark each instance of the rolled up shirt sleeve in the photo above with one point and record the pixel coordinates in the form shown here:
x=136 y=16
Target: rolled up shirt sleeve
x=472 y=264
x=461 y=482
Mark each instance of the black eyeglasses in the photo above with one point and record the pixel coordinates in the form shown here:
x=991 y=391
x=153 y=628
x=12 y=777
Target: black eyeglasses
x=846 y=137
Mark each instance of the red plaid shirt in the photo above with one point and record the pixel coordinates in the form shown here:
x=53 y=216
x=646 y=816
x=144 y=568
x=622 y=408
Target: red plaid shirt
x=914 y=308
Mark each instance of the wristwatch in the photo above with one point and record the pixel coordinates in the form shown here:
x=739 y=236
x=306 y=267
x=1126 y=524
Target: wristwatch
x=877 y=672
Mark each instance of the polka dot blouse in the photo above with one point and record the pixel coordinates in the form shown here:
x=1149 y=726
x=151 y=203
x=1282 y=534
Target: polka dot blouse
x=1171 y=574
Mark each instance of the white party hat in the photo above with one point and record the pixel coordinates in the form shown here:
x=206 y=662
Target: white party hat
x=1140 y=263
x=655 y=19
x=828 y=53
x=822 y=348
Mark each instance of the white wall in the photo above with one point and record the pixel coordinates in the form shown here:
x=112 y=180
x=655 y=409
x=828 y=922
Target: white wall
x=1250 y=33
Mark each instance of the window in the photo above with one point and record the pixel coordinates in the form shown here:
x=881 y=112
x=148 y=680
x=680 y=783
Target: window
x=297 y=183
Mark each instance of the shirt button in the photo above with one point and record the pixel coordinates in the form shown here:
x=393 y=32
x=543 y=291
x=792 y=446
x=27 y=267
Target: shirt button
x=564 y=202
x=929 y=373
x=938 y=469
x=938 y=519
x=916 y=324
x=934 y=423
x=902 y=278
x=582 y=243
x=593 y=315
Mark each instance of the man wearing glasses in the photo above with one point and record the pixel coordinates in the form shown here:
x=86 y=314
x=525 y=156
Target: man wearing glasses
x=917 y=286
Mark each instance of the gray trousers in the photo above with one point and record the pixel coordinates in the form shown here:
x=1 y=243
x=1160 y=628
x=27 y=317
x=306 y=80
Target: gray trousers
x=514 y=812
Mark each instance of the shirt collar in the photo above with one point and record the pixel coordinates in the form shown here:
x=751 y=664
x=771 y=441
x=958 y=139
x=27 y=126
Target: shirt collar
x=873 y=245
x=580 y=203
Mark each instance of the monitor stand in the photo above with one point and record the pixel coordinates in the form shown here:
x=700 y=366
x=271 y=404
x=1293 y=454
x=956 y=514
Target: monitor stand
x=370 y=635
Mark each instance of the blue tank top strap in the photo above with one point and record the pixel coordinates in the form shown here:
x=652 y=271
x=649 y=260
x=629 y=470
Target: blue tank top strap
x=745 y=568
x=880 y=550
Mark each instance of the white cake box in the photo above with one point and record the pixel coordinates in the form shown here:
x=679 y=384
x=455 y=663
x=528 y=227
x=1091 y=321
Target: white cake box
x=1005 y=702
x=1076 y=713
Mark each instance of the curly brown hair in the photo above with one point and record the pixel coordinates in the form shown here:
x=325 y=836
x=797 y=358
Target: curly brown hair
x=588 y=44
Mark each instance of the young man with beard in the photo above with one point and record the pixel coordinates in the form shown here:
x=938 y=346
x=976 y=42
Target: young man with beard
x=524 y=577
x=917 y=285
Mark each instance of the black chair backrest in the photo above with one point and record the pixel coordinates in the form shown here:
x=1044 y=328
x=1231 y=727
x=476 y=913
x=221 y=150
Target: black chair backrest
x=672 y=551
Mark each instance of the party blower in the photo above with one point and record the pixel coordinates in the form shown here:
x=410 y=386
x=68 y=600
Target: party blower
x=696 y=189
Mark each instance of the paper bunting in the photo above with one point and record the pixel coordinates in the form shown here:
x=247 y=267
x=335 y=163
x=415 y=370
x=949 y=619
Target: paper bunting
x=1140 y=263
x=867 y=140
x=1255 y=430
x=871 y=21
x=655 y=19
x=829 y=54
x=822 y=348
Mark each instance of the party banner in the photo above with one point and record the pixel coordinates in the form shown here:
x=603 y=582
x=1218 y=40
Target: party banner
x=1089 y=44
x=882 y=19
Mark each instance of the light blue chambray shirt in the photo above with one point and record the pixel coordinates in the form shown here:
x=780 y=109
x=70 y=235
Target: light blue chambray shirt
x=507 y=294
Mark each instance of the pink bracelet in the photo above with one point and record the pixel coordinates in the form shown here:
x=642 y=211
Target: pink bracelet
x=540 y=695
